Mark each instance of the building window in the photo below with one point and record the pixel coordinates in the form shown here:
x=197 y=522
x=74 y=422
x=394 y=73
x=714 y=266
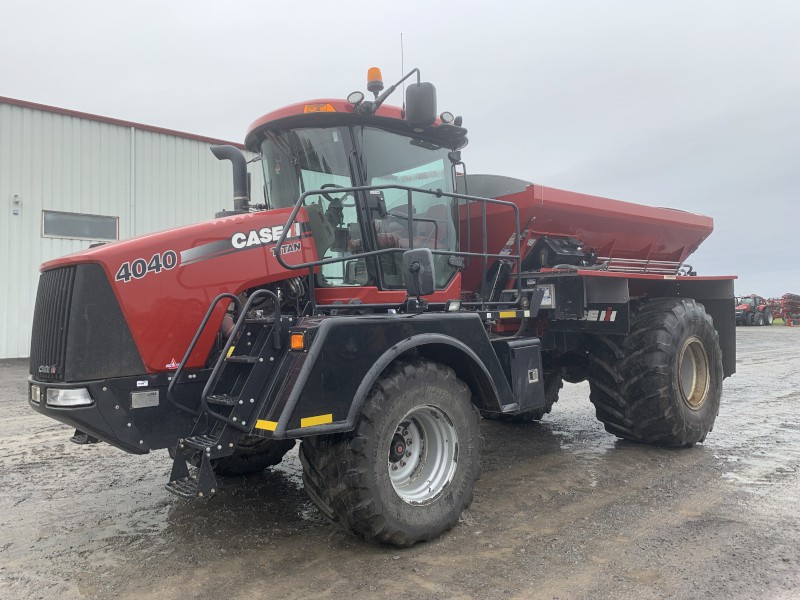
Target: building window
x=80 y=226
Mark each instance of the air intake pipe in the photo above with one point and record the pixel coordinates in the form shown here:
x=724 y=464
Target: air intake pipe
x=239 y=164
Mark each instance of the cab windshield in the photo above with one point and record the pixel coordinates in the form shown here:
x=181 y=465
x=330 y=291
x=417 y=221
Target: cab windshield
x=300 y=160
x=746 y=301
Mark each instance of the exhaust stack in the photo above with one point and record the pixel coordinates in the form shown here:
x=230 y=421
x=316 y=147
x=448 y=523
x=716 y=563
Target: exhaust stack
x=241 y=199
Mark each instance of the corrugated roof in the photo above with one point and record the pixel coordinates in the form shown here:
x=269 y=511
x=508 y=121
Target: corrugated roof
x=113 y=121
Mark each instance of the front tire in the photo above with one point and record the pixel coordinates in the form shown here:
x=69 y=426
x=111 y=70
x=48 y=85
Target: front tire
x=662 y=383
x=408 y=470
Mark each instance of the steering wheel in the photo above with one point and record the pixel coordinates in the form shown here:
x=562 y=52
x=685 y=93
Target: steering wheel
x=329 y=197
x=335 y=211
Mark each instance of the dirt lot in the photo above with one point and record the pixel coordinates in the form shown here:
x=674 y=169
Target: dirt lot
x=562 y=511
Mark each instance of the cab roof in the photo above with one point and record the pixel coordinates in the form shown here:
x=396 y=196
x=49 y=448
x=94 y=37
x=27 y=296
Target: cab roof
x=329 y=112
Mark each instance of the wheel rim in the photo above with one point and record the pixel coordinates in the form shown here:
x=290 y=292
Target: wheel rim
x=423 y=455
x=693 y=373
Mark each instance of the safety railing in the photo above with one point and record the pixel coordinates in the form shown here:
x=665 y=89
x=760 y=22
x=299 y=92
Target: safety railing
x=360 y=195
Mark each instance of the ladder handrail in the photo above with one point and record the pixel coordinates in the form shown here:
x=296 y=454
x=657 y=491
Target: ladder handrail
x=219 y=365
x=190 y=349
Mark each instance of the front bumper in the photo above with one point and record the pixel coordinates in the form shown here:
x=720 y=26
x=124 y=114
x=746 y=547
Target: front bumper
x=114 y=417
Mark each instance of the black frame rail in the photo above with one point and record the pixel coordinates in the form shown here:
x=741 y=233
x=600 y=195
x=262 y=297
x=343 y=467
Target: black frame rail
x=360 y=197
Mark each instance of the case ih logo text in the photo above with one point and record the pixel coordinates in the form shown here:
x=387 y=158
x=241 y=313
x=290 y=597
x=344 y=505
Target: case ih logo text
x=48 y=369
x=265 y=235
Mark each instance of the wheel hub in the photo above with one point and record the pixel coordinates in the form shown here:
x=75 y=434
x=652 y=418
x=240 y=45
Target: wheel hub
x=423 y=455
x=693 y=373
x=398 y=448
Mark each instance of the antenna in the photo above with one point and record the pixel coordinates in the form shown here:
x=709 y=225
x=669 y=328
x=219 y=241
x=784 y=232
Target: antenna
x=403 y=70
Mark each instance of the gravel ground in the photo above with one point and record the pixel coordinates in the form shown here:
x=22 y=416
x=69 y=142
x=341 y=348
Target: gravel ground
x=563 y=511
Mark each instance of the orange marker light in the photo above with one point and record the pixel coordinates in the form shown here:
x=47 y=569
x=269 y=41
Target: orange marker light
x=311 y=108
x=374 y=80
x=297 y=341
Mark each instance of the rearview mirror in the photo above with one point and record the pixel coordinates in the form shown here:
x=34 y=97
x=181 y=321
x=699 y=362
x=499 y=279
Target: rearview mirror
x=419 y=273
x=421 y=103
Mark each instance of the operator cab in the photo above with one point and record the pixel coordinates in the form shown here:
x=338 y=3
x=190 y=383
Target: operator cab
x=330 y=150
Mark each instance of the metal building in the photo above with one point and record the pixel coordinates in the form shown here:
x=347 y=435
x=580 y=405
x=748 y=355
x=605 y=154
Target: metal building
x=69 y=179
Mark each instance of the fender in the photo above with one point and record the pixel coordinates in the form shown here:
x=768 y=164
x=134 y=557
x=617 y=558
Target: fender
x=479 y=385
x=322 y=390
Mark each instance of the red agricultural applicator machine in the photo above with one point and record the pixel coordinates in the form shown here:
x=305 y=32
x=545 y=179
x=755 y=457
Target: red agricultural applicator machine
x=373 y=306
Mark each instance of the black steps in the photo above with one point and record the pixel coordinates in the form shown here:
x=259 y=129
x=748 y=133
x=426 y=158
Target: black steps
x=187 y=486
x=243 y=358
x=222 y=400
x=228 y=401
x=184 y=488
x=199 y=442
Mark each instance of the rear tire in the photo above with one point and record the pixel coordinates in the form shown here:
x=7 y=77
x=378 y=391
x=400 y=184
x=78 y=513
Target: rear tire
x=662 y=383
x=373 y=483
x=768 y=317
x=758 y=319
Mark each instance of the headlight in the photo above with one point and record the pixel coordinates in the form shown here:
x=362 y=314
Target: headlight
x=74 y=397
x=36 y=394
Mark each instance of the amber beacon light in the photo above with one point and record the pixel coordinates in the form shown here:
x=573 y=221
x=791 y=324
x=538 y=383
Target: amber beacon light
x=374 y=81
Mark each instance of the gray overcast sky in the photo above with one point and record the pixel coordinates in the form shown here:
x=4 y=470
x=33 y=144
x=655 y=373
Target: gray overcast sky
x=688 y=104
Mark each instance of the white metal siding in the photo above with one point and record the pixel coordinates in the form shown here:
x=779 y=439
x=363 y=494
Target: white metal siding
x=151 y=181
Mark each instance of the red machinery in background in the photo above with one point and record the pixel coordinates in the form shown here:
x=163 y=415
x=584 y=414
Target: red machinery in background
x=787 y=307
x=753 y=310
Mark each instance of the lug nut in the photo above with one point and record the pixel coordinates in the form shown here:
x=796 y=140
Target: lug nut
x=408 y=454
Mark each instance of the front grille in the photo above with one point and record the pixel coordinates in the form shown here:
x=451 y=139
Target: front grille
x=50 y=318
